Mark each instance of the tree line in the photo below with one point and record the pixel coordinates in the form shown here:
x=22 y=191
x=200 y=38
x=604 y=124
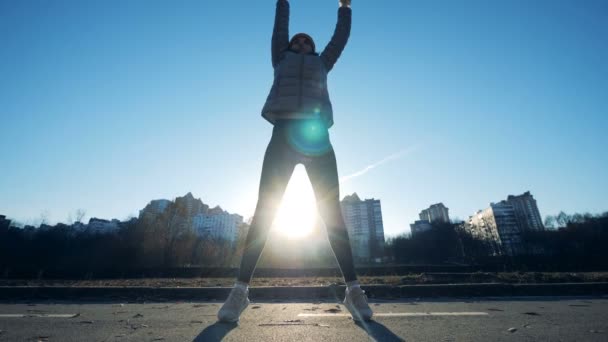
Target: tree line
x=569 y=242
x=576 y=242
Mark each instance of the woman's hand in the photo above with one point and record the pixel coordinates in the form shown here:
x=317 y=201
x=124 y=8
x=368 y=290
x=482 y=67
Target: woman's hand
x=345 y=3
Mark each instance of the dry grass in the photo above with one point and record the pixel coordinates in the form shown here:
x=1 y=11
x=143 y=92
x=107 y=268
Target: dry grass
x=408 y=279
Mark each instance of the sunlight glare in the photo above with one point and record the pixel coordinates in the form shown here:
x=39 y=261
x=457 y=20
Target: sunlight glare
x=297 y=212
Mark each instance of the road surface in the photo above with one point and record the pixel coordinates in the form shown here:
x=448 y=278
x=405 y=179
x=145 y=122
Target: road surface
x=473 y=319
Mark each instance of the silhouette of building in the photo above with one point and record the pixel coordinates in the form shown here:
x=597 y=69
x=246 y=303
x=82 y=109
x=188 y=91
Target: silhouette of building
x=365 y=229
x=502 y=224
x=191 y=206
x=435 y=213
x=218 y=224
x=526 y=211
x=102 y=226
x=497 y=226
x=4 y=223
x=192 y=214
x=155 y=207
x=420 y=226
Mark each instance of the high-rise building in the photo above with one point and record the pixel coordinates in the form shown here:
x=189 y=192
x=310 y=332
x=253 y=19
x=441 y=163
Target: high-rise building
x=498 y=227
x=191 y=206
x=365 y=228
x=102 y=226
x=4 y=223
x=155 y=207
x=219 y=224
x=435 y=213
x=420 y=226
x=526 y=212
x=502 y=224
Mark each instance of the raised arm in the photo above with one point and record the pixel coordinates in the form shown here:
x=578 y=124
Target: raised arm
x=280 y=34
x=338 y=41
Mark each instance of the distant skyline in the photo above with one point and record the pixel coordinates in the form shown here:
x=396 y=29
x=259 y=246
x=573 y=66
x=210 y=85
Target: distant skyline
x=106 y=105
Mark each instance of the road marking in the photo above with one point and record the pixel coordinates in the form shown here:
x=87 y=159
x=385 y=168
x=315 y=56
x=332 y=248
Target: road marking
x=399 y=314
x=38 y=315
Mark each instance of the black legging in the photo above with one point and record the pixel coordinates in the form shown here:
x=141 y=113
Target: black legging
x=293 y=142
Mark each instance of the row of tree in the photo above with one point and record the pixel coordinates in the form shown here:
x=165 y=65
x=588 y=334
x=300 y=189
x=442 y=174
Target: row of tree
x=569 y=242
x=167 y=240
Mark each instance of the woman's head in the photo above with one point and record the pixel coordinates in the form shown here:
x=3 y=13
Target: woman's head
x=302 y=43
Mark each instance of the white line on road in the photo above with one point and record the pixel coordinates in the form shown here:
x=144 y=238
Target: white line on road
x=38 y=315
x=399 y=314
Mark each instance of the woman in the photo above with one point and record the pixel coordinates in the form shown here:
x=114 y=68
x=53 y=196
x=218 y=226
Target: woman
x=299 y=108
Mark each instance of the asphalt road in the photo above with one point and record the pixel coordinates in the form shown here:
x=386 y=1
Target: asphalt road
x=474 y=319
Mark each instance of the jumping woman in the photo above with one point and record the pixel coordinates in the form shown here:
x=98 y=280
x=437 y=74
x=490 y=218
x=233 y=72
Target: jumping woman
x=299 y=108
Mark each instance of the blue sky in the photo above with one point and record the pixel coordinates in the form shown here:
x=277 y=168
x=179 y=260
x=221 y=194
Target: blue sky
x=105 y=105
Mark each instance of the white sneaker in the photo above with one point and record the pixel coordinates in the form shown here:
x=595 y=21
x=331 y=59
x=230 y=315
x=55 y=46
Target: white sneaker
x=356 y=302
x=235 y=304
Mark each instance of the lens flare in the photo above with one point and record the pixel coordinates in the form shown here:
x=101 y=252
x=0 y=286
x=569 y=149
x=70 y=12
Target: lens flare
x=309 y=137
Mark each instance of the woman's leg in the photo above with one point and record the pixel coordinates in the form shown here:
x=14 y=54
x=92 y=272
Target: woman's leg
x=276 y=172
x=323 y=174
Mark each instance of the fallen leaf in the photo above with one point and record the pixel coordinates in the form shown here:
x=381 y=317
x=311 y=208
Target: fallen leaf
x=256 y=307
x=86 y=322
x=313 y=308
x=512 y=330
x=138 y=315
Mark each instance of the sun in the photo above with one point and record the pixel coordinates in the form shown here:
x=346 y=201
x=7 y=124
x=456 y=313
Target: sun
x=297 y=212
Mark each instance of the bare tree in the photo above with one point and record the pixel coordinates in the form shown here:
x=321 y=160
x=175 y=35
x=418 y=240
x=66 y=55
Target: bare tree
x=69 y=220
x=43 y=219
x=563 y=219
x=549 y=221
x=80 y=214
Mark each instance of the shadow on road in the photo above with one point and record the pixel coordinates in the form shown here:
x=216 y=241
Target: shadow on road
x=215 y=332
x=379 y=332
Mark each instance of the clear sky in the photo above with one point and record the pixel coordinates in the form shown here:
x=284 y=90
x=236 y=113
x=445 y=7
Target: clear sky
x=106 y=105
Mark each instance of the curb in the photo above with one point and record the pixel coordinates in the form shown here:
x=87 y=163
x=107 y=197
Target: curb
x=302 y=292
